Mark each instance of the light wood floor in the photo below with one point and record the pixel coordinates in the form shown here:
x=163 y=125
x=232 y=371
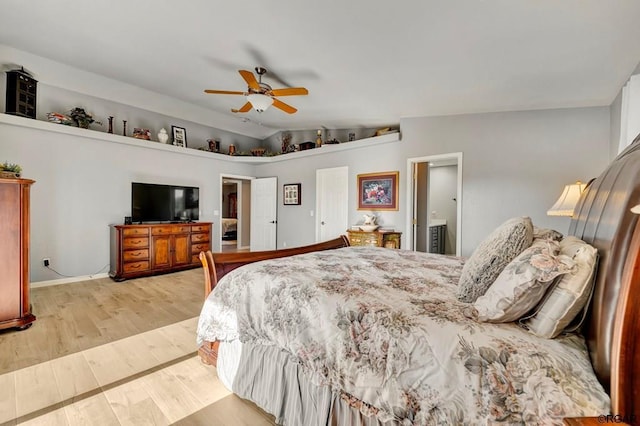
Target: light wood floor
x=107 y=353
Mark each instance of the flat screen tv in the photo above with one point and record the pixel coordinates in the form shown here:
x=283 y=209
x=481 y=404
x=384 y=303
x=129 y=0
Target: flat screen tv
x=164 y=203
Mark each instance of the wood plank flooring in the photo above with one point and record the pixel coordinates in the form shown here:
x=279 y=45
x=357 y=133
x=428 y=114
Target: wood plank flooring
x=108 y=353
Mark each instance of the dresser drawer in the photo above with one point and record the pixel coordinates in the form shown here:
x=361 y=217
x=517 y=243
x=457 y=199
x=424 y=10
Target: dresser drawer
x=198 y=247
x=128 y=243
x=132 y=255
x=167 y=230
x=363 y=240
x=200 y=228
x=132 y=232
x=195 y=259
x=197 y=238
x=136 y=266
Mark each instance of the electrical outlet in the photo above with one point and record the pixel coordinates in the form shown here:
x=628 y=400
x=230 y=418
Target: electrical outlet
x=46 y=261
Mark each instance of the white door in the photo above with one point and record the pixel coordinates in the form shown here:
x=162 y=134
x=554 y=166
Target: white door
x=332 y=203
x=264 y=213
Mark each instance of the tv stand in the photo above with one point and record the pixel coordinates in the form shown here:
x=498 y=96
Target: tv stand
x=150 y=249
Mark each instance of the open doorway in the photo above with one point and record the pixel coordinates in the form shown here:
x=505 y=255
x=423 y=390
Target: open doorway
x=235 y=213
x=434 y=203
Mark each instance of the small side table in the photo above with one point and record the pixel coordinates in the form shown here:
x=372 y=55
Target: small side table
x=387 y=239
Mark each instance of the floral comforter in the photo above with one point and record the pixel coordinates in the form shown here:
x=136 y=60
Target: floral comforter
x=384 y=329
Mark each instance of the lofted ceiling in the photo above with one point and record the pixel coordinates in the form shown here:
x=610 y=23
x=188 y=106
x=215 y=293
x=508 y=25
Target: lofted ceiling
x=365 y=62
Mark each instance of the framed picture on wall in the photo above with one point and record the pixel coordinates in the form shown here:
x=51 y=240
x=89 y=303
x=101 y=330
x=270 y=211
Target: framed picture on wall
x=378 y=191
x=179 y=136
x=292 y=194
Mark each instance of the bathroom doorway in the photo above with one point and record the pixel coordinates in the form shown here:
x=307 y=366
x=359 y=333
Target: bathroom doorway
x=434 y=206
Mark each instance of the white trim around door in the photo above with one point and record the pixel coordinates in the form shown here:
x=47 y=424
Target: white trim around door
x=411 y=163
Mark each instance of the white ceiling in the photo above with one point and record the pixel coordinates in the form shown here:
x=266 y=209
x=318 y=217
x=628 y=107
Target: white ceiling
x=365 y=63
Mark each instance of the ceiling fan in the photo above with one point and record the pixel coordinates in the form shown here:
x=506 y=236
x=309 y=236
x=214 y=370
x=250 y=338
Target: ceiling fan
x=260 y=95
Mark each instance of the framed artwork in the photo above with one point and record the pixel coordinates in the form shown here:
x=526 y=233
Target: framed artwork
x=179 y=136
x=292 y=194
x=378 y=191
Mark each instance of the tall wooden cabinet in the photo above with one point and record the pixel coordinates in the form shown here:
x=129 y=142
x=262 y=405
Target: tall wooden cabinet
x=141 y=250
x=15 y=308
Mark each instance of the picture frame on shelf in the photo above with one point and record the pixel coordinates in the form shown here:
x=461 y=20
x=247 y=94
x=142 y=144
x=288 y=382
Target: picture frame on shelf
x=179 y=136
x=292 y=194
x=378 y=191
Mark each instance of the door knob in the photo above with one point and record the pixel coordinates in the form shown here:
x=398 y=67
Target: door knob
x=322 y=223
x=273 y=221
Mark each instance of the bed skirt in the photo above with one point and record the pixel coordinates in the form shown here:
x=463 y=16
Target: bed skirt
x=274 y=381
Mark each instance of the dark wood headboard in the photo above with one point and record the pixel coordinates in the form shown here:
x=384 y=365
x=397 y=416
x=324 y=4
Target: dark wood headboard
x=603 y=219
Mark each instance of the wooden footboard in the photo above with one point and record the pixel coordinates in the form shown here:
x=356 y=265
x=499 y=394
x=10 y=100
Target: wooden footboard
x=217 y=265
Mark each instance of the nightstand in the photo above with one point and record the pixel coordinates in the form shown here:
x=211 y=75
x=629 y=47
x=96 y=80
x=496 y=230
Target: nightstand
x=387 y=239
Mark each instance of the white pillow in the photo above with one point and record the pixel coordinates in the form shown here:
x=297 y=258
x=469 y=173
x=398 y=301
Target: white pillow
x=570 y=293
x=522 y=284
x=492 y=255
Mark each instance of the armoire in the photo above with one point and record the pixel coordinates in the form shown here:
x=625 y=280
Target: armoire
x=15 y=307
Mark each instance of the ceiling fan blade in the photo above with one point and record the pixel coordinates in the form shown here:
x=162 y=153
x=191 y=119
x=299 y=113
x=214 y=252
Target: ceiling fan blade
x=223 y=92
x=281 y=105
x=290 y=91
x=250 y=79
x=245 y=108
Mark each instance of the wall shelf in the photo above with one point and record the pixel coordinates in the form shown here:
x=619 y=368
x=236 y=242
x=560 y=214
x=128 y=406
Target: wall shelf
x=126 y=140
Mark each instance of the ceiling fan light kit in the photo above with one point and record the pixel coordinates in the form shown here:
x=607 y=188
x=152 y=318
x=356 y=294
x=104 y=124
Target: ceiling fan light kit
x=260 y=95
x=259 y=101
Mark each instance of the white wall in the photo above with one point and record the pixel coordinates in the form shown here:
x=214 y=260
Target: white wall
x=515 y=163
x=84 y=184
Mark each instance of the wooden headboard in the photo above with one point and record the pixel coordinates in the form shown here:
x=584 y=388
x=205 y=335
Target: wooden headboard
x=603 y=219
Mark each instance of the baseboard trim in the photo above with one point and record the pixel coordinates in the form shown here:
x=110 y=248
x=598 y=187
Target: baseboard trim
x=69 y=280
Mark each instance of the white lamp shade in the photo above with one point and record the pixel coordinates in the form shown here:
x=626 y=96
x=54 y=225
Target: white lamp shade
x=568 y=200
x=635 y=209
x=259 y=101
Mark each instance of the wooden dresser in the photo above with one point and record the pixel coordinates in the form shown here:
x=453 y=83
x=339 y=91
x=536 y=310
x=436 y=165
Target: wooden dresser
x=15 y=308
x=388 y=239
x=141 y=250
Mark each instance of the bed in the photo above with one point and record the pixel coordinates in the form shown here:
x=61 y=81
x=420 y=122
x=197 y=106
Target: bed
x=340 y=349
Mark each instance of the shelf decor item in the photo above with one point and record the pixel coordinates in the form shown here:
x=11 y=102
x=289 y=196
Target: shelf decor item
x=110 y=124
x=163 y=136
x=21 y=93
x=292 y=194
x=82 y=118
x=10 y=170
x=57 y=118
x=378 y=191
x=179 y=136
x=139 y=133
x=319 y=139
x=214 y=145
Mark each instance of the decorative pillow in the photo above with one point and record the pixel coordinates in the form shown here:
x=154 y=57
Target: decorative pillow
x=569 y=295
x=546 y=234
x=492 y=255
x=523 y=282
